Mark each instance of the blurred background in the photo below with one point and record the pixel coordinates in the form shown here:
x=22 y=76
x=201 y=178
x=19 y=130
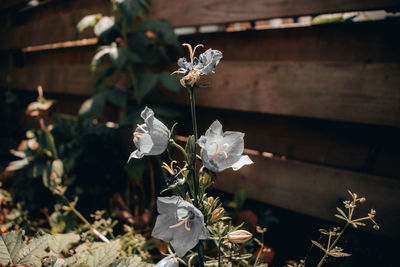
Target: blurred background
x=314 y=85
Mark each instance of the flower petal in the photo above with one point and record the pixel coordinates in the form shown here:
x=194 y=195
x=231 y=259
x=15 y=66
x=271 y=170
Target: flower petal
x=185 y=240
x=167 y=262
x=215 y=130
x=168 y=204
x=161 y=229
x=144 y=143
x=209 y=61
x=148 y=116
x=244 y=160
x=136 y=155
x=183 y=63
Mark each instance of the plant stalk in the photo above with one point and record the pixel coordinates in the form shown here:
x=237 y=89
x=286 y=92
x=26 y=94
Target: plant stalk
x=332 y=245
x=193 y=169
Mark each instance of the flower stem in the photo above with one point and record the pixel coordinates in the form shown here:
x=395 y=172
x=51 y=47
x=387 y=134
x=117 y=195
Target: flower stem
x=194 y=122
x=332 y=245
x=195 y=180
x=83 y=219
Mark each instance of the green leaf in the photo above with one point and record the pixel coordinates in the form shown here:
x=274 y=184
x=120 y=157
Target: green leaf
x=58 y=168
x=341 y=212
x=85 y=22
x=163 y=29
x=62 y=242
x=104 y=25
x=10 y=244
x=93 y=107
x=133 y=261
x=146 y=81
x=132 y=8
x=105 y=73
x=15 y=251
x=46 y=174
x=318 y=245
x=170 y=82
x=104 y=255
x=190 y=149
x=117 y=97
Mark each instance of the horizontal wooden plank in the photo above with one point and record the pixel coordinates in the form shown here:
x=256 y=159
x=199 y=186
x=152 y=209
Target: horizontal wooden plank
x=315 y=190
x=366 y=93
x=75 y=80
x=51 y=23
x=60 y=20
x=352 y=42
x=364 y=148
x=346 y=42
x=335 y=91
x=207 y=12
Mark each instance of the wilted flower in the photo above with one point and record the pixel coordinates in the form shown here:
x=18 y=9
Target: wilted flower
x=179 y=223
x=239 y=236
x=205 y=64
x=221 y=150
x=151 y=137
x=168 y=262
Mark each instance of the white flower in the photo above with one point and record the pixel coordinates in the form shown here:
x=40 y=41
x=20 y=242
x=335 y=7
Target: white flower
x=179 y=223
x=150 y=138
x=205 y=64
x=221 y=150
x=167 y=262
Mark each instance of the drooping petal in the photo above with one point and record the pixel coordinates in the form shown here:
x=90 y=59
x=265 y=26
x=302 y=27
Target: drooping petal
x=144 y=143
x=244 y=160
x=135 y=155
x=185 y=240
x=183 y=63
x=152 y=137
x=167 y=262
x=162 y=228
x=148 y=115
x=209 y=60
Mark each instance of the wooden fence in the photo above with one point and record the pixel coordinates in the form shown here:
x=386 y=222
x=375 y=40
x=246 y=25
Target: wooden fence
x=320 y=105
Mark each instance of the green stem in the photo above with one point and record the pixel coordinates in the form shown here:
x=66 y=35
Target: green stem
x=195 y=180
x=219 y=252
x=193 y=169
x=83 y=219
x=172 y=141
x=332 y=245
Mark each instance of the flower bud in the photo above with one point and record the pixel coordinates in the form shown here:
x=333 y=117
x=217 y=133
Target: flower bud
x=239 y=236
x=217 y=214
x=210 y=200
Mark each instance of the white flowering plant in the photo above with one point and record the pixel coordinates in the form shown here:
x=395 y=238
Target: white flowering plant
x=189 y=217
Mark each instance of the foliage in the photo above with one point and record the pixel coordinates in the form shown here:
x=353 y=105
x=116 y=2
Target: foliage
x=130 y=44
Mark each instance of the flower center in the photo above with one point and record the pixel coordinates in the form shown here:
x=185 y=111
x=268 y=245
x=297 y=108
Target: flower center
x=219 y=150
x=191 y=78
x=170 y=168
x=139 y=134
x=184 y=220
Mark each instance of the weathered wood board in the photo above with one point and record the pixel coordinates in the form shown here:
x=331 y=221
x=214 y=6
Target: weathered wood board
x=315 y=190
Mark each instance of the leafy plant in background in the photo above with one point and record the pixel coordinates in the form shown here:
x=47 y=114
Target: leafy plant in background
x=132 y=52
x=39 y=154
x=135 y=48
